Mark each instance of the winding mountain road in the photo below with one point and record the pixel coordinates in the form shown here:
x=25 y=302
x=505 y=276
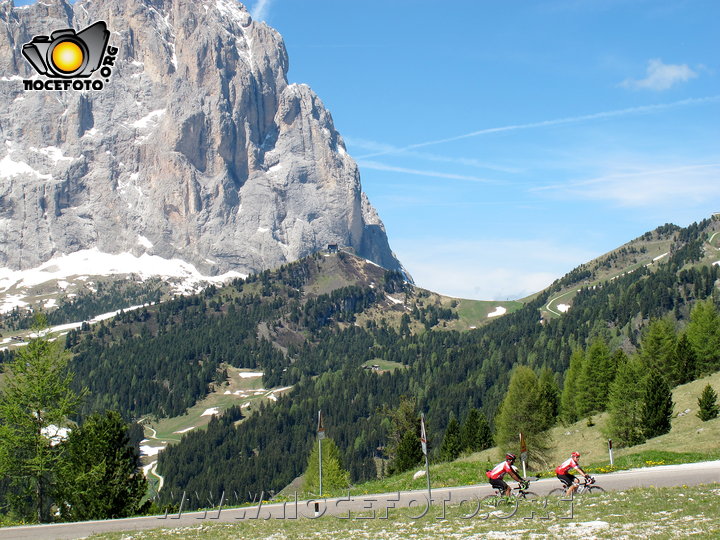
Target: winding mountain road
x=690 y=474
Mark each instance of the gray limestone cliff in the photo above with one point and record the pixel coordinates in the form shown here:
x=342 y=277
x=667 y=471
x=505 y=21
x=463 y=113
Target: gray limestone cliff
x=196 y=148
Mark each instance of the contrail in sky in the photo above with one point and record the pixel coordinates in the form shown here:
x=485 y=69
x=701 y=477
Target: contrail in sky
x=261 y=10
x=555 y=122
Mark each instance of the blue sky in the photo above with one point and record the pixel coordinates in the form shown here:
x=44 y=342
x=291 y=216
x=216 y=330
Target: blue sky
x=504 y=143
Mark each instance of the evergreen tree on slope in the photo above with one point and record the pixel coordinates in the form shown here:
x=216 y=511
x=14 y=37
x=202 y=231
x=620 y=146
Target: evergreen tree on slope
x=703 y=332
x=657 y=405
x=99 y=476
x=36 y=399
x=521 y=412
x=451 y=446
x=625 y=405
x=568 y=407
x=334 y=477
x=707 y=404
x=475 y=432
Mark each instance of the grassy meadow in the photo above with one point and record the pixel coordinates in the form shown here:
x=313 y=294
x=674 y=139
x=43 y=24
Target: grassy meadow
x=664 y=513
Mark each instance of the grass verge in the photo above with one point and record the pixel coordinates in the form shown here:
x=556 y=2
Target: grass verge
x=663 y=513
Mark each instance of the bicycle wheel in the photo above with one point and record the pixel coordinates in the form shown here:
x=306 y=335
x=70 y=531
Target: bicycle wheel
x=557 y=492
x=595 y=490
x=499 y=507
x=471 y=509
x=528 y=496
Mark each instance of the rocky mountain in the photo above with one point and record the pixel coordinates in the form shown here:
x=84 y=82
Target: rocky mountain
x=197 y=147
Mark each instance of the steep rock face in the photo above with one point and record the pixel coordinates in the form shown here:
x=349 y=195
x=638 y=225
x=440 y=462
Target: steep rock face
x=196 y=148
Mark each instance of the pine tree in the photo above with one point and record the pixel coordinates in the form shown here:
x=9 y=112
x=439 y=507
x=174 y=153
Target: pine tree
x=403 y=447
x=707 y=404
x=625 y=405
x=475 y=432
x=618 y=359
x=36 y=399
x=658 y=345
x=548 y=399
x=451 y=446
x=568 y=408
x=334 y=477
x=521 y=412
x=99 y=476
x=657 y=405
x=595 y=378
x=408 y=453
x=684 y=363
x=703 y=332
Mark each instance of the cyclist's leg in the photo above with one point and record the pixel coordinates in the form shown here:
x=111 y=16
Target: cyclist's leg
x=569 y=481
x=508 y=489
x=501 y=486
x=574 y=485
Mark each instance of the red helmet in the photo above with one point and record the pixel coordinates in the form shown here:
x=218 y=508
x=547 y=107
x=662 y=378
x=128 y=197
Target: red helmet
x=509 y=457
x=575 y=455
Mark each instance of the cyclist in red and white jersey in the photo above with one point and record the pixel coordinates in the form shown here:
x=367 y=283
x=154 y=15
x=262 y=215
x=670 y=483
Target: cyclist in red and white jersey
x=568 y=479
x=495 y=476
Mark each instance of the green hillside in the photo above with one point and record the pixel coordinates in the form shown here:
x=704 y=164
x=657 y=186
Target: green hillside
x=645 y=252
x=446 y=371
x=314 y=326
x=688 y=433
x=670 y=448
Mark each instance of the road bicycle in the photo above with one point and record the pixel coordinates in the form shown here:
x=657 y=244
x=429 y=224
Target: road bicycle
x=586 y=485
x=505 y=506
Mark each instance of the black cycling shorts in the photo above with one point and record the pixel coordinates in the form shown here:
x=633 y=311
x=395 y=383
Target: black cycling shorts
x=498 y=484
x=567 y=479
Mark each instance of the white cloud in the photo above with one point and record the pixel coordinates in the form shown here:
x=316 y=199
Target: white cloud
x=554 y=122
x=261 y=10
x=661 y=76
x=488 y=269
x=633 y=186
x=435 y=174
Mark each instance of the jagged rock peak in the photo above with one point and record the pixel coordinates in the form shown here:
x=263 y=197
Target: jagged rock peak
x=196 y=148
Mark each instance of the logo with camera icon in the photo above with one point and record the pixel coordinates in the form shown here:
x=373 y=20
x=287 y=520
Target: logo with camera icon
x=68 y=58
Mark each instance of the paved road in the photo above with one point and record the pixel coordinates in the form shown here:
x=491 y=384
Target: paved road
x=369 y=506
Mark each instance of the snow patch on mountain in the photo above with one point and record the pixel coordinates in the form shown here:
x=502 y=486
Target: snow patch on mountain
x=55 y=434
x=148 y=120
x=54 y=153
x=94 y=262
x=144 y=242
x=499 y=310
x=11 y=301
x=250 y=374
x=146 y=450
x=10 y=169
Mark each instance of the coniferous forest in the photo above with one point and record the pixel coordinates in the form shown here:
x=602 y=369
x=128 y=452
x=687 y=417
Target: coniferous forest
x=448 y=373
x=159 y=360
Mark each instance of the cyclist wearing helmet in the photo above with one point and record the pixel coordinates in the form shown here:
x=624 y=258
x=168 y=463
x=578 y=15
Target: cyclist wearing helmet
x=563 y=473
x=496 y=474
